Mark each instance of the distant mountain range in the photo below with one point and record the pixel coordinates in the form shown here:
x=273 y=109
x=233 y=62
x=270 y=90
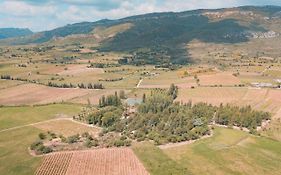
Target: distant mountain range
x=14 y=32
x=169 y=32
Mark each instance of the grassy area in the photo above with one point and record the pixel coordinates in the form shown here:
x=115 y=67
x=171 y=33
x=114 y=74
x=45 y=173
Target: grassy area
x=67 y=128
x=156 y=162
x=229 y=152
x=17 y=116
x=14 y=156
x=274 y=130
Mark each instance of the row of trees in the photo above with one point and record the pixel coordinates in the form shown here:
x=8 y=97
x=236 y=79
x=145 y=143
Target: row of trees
x=241 y=117
x=81 y=86
x=111 y=100
x=52 y=84
x=6 y=77
x=103 y=65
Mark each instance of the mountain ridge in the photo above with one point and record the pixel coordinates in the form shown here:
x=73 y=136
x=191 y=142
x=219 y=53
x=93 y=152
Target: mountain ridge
x=14 y=32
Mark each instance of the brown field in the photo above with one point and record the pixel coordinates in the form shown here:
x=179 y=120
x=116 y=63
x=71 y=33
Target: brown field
x=79 y=69
x=210 y=95
x=38 y=94
x=117 y=161
x=67 y=127
x=225 y=79
x=250 y=77
x=9 y=83
x=70 y=69
x=165 y=82
x=261 y=99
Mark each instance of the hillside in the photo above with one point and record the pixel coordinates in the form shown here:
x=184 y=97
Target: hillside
x=160 y=38
x=14 y=32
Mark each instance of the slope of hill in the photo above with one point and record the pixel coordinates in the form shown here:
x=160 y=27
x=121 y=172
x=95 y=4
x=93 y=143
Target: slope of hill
x=164 y=36
x=14 y=32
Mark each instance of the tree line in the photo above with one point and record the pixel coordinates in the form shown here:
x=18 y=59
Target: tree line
x=53 y=84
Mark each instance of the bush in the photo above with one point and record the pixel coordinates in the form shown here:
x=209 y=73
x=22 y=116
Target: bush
x=47 y=150
x=73 y=139
x=35 y=144
x=119 y=143
x=127 y=142
x=63 y=139
x=53 y=135
x=95 y=143
x=88 y=143
x=42 y=136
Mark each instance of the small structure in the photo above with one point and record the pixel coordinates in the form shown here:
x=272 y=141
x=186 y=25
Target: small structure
x=131 y=106
x=133 y=101
x=262 y=85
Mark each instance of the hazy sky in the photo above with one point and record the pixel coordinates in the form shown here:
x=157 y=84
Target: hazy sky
x=41 y=15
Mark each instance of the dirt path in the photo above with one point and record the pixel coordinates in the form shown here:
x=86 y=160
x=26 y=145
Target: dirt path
x=32 y=124
x=139 y=83
x=46 y=121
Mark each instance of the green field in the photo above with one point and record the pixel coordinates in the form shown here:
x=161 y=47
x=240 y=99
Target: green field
x=18 y=116
x=156 y=162
x=229 y=152
x=14 y=156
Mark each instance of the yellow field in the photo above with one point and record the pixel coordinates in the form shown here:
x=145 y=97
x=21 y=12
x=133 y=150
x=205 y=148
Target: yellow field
x=67 y=127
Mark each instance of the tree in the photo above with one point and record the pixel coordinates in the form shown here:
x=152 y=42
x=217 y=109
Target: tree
x=173 y=91
x=122 y=94
x=143 y=98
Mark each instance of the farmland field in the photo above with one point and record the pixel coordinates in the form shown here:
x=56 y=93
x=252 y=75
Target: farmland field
x=27 y=94
x=18 y=116
x=7 y=83
x=120 y=161
x=224 y=79
x=14 y=156
x=156 y=162
x=210 y=95
x=229 y=152
x=163 y=79
x=262 y=99
x=67 y=127
x=175 y=93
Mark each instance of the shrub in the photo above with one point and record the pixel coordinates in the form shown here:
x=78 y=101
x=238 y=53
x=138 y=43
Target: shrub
x=88 y=143
x=119 y=143
x=35 y=144
x=42 y=136
x=47 y=150
x=73 y=139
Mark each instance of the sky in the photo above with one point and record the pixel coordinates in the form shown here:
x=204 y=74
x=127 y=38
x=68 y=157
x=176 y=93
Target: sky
x=40 y=15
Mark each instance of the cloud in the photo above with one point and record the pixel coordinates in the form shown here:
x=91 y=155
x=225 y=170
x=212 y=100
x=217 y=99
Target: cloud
x=47 y=14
